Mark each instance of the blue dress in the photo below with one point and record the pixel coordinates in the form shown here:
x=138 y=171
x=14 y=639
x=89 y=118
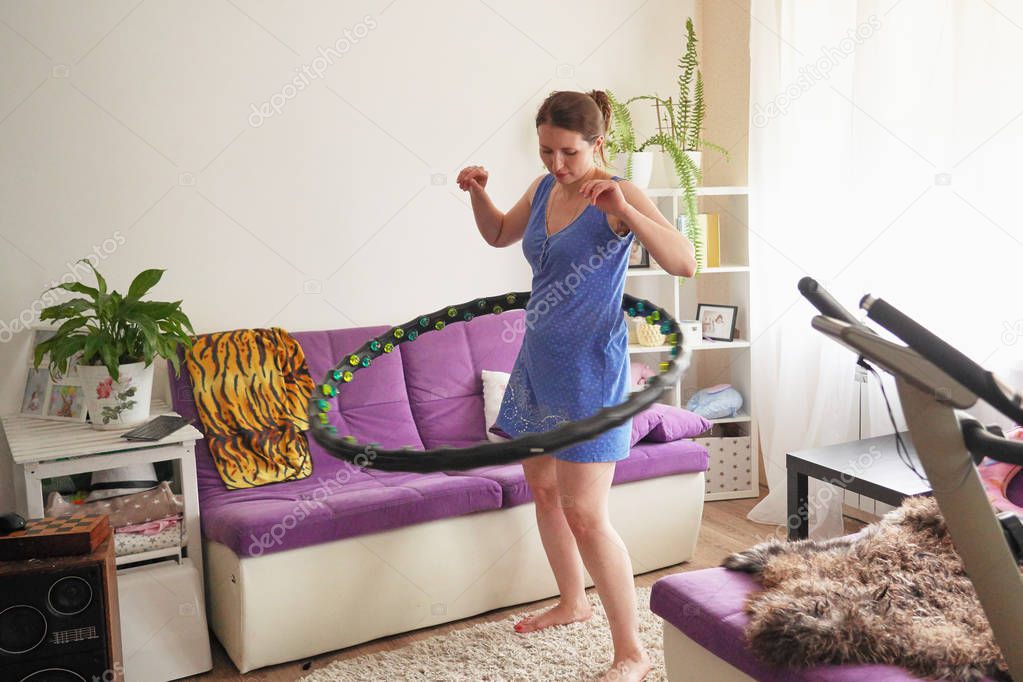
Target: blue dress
x=574 y=357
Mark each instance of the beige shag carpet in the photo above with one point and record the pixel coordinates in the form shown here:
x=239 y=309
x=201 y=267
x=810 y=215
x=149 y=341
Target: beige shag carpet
x=494 y=652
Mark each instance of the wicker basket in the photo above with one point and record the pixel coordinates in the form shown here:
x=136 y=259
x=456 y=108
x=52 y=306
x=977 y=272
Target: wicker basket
x=648 y=334
x=631 y=328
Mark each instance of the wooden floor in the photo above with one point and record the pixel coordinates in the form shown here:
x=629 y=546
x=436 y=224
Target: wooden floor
x=725 y=529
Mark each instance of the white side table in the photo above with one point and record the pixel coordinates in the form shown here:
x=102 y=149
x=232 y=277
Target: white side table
x=164 y=638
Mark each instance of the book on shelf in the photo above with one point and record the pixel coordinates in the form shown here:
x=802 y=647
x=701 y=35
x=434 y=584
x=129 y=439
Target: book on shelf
x=708 y=232
x=708 y=229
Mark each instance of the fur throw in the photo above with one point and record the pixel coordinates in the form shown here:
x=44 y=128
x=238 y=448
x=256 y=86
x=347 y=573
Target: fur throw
x=895 y=592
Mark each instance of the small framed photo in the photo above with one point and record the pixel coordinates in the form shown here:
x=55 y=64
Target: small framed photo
x=718 y=321
x=66 y=402
x=37 y=392
x=61 y=400
x=639 y=257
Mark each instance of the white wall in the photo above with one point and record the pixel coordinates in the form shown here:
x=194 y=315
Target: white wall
x=127 y=131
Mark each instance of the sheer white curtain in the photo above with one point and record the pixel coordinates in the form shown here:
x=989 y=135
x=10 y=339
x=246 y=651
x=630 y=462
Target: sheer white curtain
x=885 y=148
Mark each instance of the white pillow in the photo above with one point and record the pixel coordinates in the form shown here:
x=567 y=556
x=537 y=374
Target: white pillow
x=494 y=384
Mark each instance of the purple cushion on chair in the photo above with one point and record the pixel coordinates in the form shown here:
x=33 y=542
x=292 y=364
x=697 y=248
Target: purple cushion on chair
x=662 y=423
x=708 y=607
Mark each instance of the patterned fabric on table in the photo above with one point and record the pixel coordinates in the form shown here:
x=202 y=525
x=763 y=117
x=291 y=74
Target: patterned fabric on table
x=252 y=389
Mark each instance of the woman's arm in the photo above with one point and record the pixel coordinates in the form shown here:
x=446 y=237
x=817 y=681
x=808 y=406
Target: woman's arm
x=498 y=229
x=629 y=208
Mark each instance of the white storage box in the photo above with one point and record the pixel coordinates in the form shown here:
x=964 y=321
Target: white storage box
x=730 y=469
x=163 y=622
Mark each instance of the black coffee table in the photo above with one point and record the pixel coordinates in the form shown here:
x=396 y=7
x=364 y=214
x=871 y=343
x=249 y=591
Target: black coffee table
x=870 y=467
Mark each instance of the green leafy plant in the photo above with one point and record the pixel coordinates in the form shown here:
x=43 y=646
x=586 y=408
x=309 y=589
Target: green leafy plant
x=621 y=136
x=680 y=130
x=107 y=328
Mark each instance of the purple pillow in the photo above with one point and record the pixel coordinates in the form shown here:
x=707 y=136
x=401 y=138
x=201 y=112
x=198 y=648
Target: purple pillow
x=662 y=423
x=643 y=422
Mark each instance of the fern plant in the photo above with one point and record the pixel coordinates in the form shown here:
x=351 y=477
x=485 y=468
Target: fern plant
x=621 y=136
x=680 y=130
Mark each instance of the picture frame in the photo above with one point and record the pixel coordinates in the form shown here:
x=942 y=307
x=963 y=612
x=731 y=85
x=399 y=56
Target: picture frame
x=639 y=257
x=718 y=321
x=36 y=396
x=44 y=398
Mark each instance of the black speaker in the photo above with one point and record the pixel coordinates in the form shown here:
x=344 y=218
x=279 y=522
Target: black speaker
x=58 y=619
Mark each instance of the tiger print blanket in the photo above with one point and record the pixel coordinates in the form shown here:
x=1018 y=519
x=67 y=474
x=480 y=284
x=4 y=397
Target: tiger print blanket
x=252 y=389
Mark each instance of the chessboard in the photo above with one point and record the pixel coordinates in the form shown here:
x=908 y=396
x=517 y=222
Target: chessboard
x=69 y=535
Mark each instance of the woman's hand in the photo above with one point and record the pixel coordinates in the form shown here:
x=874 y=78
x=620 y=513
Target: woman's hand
x=605 y=195
x=472 y=178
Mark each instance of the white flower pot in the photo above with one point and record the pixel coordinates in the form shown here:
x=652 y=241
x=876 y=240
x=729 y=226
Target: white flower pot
x=642 y=167
x=117 y=404
x=671 y=177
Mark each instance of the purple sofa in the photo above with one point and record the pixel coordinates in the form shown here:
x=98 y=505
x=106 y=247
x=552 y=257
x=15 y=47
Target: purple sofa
x=416 y=549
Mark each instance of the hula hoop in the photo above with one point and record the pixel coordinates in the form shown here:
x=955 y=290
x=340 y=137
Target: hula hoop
x=527 y=445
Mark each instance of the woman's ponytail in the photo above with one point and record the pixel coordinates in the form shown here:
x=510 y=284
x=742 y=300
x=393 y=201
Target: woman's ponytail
x=604 y=103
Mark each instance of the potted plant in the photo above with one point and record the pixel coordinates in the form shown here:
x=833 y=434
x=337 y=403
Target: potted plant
x=628 y=160
x=112 y=339
x=680 y=129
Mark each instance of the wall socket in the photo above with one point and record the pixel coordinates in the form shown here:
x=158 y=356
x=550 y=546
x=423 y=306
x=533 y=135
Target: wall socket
x=860 y=375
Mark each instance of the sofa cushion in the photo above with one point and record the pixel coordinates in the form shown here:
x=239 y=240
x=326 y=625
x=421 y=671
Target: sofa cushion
x=374 y=407
x=495 y=383
x=340 y=500
x=707 y=606
x=675 y=424
x=662 y=423
x=645 y=460
x=443 y=372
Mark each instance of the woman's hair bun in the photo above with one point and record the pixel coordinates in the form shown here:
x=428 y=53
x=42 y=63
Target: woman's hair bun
x=604 y=103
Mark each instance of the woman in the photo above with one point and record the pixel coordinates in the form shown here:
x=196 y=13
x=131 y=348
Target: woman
x=577 y=225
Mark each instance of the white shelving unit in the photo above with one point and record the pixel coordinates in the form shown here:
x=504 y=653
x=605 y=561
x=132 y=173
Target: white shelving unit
x=164 y=633
x=714 y=362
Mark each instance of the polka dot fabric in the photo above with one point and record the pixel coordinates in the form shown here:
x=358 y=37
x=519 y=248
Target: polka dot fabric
x=574 y=357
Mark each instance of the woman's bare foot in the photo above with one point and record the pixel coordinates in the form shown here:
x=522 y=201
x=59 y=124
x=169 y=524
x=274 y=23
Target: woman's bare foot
x=559 y=614
x=628 y=669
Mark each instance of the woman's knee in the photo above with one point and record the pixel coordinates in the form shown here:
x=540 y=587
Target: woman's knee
x=583 y=520
x=547 y=497
x=542 y=479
